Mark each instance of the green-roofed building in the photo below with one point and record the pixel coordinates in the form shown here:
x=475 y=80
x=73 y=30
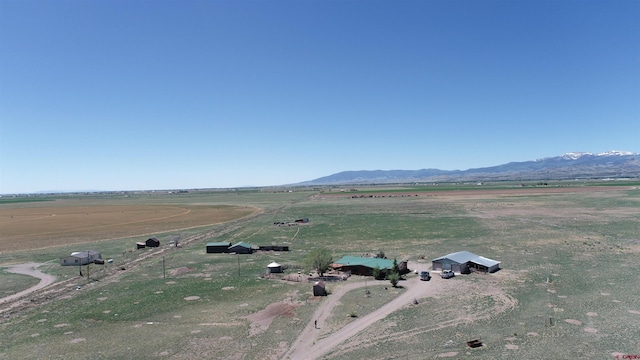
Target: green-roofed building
x=241 y=248
x=365 y=265
x=218 y=247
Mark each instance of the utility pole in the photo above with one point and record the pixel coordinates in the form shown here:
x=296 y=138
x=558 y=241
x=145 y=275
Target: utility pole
x=88 y=278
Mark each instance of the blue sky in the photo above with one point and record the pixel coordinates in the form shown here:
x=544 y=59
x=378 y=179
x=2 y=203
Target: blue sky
x=132 y=95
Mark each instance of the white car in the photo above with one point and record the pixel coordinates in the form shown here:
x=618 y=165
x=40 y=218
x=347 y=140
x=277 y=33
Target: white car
x=447 y=274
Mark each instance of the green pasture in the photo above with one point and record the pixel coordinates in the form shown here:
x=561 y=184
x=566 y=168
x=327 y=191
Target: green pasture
x=13 y=283
x=569 y=263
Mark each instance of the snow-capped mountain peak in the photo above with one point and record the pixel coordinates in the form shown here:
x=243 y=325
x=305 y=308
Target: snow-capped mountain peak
x=615 y=153
x=574 y=155
x=577 y=155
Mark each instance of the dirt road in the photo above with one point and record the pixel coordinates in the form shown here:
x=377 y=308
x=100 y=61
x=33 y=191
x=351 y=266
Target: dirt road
x=308 y=345
x=30 y=270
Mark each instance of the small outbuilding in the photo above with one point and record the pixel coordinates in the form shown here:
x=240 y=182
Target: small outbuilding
x=319 y=289
x=274 y=267
x=464 y=262
x=218 y=247
x=141 y=245
x=153 y=242
x=241 y=248
x=273 y=248
x=80 y=258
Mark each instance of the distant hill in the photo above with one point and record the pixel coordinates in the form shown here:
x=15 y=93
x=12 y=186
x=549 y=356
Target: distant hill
x=576 y=165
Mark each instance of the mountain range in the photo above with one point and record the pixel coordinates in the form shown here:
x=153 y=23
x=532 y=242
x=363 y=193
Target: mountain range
x=573 y=165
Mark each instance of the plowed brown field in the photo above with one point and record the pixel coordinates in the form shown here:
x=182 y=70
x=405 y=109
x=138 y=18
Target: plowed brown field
x=45 y=226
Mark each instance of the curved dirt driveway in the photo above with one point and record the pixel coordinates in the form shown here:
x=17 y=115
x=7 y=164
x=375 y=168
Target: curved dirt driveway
x=308 y=345
x=30 y=270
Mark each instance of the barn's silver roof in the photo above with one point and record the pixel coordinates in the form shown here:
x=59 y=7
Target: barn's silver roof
x=462 y=257
x=485 y=261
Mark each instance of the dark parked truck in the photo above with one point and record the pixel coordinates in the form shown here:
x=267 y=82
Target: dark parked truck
x=425 y=276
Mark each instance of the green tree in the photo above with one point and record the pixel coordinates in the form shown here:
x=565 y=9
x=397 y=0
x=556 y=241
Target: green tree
x=377 y=273
x=394 y=277
x=395 y=268
x=319 y=260
x=394 y=274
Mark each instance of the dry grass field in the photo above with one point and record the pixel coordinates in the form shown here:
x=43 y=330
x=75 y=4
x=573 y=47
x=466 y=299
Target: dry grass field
x=53 y=224
x=567 y=289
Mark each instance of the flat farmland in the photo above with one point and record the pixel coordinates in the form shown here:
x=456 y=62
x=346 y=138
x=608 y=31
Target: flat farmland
x=567 y=287
x=56 y=223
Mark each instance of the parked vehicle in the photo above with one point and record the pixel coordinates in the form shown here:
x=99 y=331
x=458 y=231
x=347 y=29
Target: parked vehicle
x=447 y=274
x=425 y=276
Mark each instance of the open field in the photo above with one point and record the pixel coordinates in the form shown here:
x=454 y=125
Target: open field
x=567 y=289
x=58 y=223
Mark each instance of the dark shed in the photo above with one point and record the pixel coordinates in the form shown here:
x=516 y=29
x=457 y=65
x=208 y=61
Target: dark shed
x=241 y=248
x=218 y=247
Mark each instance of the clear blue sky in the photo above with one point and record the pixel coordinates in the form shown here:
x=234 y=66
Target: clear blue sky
x=129 y=95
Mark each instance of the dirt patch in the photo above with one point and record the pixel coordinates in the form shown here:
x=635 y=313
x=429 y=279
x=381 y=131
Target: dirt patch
x=447 y=354
x=78 y=340
x=61 y=325
x=592 y=314
x=573 y=321
x=512 y=347
x=591 y=330
x=180 y=271
x=191 y=298
x=634 y=312
x=532 y=334
x=261 y=320
x=228 y=288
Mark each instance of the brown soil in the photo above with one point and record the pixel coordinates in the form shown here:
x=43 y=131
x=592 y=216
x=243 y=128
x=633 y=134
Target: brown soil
x=59 y=223
x=261 y=320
